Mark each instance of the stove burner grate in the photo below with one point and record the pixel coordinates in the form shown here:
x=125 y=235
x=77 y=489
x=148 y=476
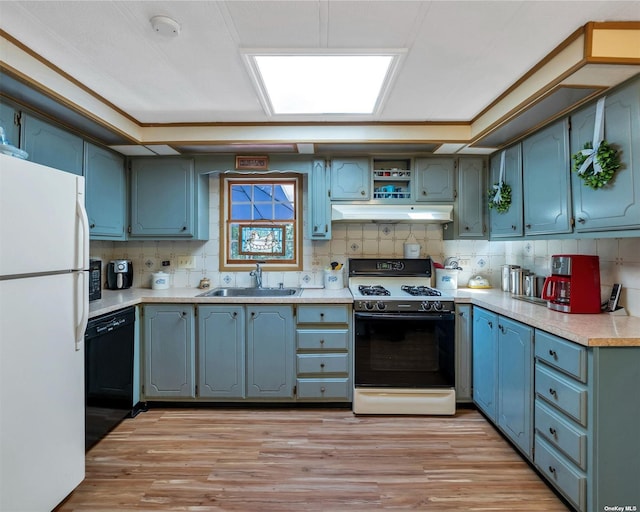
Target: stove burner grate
x=373 y=290
x=420 y=291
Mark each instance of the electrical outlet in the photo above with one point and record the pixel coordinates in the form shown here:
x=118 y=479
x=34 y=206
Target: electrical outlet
x=188 y=262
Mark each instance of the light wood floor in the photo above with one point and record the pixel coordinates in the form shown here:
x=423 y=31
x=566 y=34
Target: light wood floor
x=306 y=460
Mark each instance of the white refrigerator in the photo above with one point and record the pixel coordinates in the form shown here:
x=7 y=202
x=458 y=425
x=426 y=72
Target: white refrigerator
x=44 y=305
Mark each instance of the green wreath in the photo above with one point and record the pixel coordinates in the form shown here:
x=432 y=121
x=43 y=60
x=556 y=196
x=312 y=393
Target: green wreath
x=608 y=159
x=504 y=204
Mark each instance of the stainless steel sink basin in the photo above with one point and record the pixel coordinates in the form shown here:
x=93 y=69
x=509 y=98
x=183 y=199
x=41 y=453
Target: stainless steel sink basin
x=533 y=300
x=252 y=292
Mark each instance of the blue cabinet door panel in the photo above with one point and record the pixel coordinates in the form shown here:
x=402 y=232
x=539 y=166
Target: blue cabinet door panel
x=52 y=146
x=617 y=204
x=545 y=176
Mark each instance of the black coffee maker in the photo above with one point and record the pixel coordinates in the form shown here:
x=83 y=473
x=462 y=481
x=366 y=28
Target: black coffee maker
x=119 y=274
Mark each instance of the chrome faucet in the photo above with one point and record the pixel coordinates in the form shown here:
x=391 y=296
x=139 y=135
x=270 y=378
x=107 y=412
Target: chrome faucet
x=257 y=273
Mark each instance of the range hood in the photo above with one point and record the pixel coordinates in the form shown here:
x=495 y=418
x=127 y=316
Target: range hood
x=391 y=213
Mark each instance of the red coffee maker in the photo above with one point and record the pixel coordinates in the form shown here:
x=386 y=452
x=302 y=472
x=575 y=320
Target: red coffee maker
x=574 y=284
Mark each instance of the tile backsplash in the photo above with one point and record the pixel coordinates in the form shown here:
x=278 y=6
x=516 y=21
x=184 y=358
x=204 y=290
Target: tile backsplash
x=619 y=257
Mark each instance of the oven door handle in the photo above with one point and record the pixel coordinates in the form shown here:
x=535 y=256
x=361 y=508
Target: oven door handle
x=404 y=316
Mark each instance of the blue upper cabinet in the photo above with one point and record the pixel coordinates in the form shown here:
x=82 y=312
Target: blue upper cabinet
x=106 y=193
x=350 y=179
x=617 y=204
x=9 y=122
x=545 y=177
x=164 y=203
x=434 y=179
x=52 y=146
x=470 y=204
x=509 y=223
x=319 y=202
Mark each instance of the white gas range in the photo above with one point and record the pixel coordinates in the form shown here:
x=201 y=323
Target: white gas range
x=404 y=339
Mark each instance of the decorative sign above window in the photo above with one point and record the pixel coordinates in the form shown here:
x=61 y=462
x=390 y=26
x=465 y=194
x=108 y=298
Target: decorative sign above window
x=255 y=163
x=261 y=240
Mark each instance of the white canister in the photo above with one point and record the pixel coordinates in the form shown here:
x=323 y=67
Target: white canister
x=446 y=279
x=411 y=251
x=333 y=279
x=159 y=281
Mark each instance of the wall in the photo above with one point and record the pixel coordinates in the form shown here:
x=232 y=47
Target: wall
x=619 y=258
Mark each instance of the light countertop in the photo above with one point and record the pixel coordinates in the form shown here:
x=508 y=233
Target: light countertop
x=602 y=330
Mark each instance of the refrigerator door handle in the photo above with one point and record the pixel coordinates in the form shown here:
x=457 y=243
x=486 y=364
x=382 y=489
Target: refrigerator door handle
x=81 y=306
x=83 y=237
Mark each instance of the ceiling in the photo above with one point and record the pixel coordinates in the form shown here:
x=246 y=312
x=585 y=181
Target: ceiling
x=460 y=55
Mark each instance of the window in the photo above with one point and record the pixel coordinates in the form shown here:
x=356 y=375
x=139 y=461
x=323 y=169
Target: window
x=261 y=221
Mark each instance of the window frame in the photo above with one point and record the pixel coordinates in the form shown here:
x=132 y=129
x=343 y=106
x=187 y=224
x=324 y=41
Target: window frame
x=266 y=178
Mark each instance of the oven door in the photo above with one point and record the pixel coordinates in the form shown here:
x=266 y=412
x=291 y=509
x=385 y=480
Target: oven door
x=404 y=350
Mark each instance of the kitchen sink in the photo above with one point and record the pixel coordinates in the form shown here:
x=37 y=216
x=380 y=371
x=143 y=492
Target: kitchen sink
x=252 y=292
x=533 y=300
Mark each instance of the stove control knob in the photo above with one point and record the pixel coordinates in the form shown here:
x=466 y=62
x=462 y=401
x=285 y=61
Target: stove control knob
x=381 y=306
x=437 y=305
x=425 y=306
x=368 y=305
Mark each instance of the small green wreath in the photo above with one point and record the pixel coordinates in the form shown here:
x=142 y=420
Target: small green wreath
x=608 y=159
x=504 y=204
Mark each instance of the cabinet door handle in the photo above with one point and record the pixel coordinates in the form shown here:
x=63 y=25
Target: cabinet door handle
x=424 y=192
x=553 y=354
x=184 y=228
x=315 y=229
x=552 y=470
x=552 y=431
x=235 y=314
x=553 y=392
x=513 y=226
x=490 y=325
x=184 y=313
x=581 y=220
x=528 y=226
x=362 y=192
x=253 y=313
x=92 y=225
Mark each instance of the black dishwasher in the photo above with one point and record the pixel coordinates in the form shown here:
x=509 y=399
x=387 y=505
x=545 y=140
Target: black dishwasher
x=108 y=373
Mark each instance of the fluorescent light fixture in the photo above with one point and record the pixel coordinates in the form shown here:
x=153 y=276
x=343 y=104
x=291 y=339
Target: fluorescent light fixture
x=334 y=83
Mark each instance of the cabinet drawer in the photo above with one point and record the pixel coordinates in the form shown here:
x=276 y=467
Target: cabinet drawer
x=571 y=482
x=323 y=363
x=323 y=314
x=561 y=434
x=564 y=355
x=565 y=394
x=330 y=389
x=309 y=339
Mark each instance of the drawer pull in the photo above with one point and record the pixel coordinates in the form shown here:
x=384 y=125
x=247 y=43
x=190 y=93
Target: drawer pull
x=553 y=392
x=321 y=342
x=553 y=354
x=321 y=365
x=322 y=389
x=552 y=470
x=322 y=316
x=552 y=431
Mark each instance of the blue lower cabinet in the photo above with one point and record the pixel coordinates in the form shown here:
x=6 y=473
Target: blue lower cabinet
x=515 y=383
x=270 y=352
x=169 y=351
x=586 y=421
x=221 y=351
x=503 y=375
x=485 y=361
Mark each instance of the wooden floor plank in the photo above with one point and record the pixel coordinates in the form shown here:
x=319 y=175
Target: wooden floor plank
x=210 y=460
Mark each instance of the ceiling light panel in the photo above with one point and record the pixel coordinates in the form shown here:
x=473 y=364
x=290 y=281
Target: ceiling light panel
x=345 y=83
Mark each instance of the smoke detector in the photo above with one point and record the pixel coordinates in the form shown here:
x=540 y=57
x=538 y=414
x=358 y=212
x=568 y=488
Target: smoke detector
x=165 y=26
